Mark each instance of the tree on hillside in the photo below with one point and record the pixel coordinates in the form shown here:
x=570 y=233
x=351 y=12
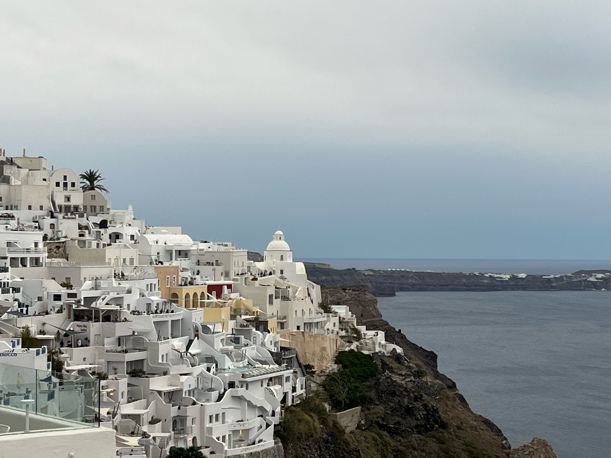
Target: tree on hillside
x=180 y=452
x=91 y=180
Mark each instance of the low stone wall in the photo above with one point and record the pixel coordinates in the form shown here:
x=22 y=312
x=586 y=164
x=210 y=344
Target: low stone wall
x=349 y=419
x=317 y=350
x=277 y=451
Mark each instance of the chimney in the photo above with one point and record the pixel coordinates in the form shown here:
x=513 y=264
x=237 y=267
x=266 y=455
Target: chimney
x=23 y=152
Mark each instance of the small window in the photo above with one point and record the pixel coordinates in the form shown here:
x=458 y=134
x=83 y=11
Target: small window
x=57 y=184
x=65 y=177
x=66 y=198
x=92 y=196
x=167 y=281
x=29 y=207
x=41 y=208
x=73 y=184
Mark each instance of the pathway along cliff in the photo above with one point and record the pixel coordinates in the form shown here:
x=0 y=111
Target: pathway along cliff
x=389 y=282
x=412 y=410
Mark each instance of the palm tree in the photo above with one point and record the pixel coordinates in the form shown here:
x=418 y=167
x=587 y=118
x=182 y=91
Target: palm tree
x=91 y=180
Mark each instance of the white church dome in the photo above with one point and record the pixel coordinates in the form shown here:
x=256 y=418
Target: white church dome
x=278 y=243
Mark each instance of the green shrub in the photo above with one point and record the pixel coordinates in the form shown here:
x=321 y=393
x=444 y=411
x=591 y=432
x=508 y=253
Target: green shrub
x=419 y=373
x=298 y=425
x=136 y=373
x=360 y=366
x=99 y=375
x=344 y=391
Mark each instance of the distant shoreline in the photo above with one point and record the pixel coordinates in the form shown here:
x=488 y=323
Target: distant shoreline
x=387 y=282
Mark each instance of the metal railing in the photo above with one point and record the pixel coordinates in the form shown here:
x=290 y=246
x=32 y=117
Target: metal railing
x=54 y=396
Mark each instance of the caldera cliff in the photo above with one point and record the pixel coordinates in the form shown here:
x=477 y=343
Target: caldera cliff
x=413 y=410
x=388 y=282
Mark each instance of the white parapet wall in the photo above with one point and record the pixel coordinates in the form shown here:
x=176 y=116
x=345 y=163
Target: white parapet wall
x=71 y=443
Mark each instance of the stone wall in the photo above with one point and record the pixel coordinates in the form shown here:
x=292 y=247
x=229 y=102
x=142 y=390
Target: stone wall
x=349 y=419
x=314 y=349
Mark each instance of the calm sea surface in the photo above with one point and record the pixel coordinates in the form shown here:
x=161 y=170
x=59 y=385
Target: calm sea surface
x=535 y=363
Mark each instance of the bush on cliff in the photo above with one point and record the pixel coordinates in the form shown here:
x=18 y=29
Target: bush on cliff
x=345 y=388
x=307 y=429
x=303 y=421
x=344 y=392
x=359 y=365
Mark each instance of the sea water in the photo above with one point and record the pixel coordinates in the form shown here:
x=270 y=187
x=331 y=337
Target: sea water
x=535 y=363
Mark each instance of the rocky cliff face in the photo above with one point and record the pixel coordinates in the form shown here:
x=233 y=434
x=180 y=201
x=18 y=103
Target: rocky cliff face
x=388 y=282
x=416 y=410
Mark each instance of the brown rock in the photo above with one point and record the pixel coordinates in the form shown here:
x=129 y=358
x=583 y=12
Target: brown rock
x=537 y=448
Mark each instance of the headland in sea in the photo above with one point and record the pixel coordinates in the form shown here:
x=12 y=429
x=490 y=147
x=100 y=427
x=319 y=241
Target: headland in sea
x=502 y=266
x=386 y=277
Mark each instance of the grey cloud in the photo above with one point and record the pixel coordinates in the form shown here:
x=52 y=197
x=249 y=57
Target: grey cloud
x=459 y=118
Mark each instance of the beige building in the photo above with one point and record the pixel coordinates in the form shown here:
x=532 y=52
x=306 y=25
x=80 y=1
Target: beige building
x=66 y=193
x=24 y=183
x=191 y=296
x=94 y=203
x=168 y=277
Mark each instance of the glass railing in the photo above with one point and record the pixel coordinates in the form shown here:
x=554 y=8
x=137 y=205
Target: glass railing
x=71 y=397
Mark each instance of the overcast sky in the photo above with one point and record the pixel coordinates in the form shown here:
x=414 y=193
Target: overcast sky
x=416 y=129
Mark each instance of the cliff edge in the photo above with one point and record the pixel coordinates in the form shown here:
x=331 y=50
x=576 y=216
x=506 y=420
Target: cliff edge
x=413 y=409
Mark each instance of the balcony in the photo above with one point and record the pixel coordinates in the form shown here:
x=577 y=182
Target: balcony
x=165 y=316
x=184 y=431
x=19 y=250
x=126 y=354
x=11 y=290
x=319 y=317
